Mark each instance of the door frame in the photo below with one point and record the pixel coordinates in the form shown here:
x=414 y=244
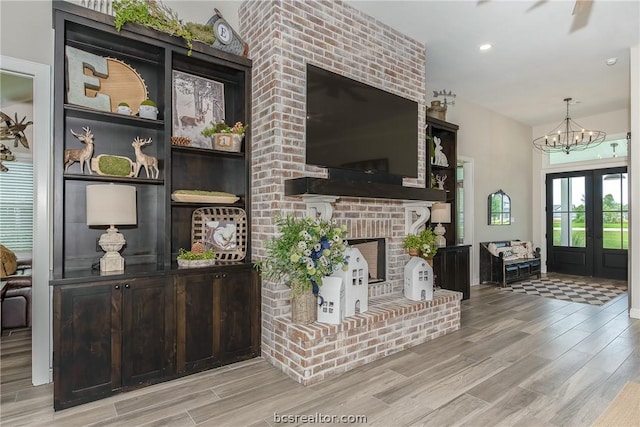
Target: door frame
x=41 y=299
x=595 y=254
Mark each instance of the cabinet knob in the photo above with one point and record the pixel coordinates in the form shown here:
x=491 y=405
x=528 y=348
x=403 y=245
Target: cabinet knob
x=117 y=286
x=224 y=275
x=217 y=276
x=126 y=285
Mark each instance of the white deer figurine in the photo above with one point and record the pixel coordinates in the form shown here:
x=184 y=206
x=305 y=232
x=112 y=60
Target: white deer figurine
x=82 y=155
x=149 y=162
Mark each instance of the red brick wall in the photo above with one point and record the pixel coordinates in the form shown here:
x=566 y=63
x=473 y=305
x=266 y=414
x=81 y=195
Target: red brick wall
x=284 y=36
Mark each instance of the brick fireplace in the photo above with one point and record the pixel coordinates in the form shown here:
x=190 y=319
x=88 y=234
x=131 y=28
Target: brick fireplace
x=283 y=37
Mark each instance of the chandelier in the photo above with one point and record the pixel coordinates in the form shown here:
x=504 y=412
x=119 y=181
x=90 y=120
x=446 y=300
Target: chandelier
x=568 y=136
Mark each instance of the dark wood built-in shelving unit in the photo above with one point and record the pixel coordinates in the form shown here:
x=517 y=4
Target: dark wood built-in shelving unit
x=153 y=321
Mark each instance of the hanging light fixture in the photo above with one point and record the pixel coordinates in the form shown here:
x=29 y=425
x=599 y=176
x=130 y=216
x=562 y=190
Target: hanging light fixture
x=568 y=136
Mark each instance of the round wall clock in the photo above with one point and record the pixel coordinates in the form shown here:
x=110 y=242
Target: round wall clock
x=223 y=31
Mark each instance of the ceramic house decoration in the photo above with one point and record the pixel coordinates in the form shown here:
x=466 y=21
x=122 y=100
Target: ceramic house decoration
x=331 y=309
x=356 y=283
x=418 y=280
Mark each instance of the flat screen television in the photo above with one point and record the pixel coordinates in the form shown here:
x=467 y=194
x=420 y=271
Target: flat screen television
x=359 y=131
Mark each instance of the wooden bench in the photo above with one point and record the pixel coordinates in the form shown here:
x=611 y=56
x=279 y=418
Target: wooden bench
x=502 y=270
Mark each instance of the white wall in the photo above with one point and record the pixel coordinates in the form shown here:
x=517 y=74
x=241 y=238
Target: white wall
x=501 y=150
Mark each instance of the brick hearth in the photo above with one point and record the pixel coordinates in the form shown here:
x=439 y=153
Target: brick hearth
x=311 y=353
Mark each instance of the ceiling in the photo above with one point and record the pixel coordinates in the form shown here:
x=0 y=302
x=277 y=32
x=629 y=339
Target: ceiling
x=541 y=53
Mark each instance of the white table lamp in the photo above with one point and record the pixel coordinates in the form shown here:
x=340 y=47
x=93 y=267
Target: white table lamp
x=440 y=213
x=112 y=205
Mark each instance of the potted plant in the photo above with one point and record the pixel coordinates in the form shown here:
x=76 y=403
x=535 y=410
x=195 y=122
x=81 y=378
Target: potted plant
x=225 y=137
x=422 y=244
x=123 y=108
x=428 y=246
x=305 y=251
x=148 y=110
x=412 y=244
x=198 y=256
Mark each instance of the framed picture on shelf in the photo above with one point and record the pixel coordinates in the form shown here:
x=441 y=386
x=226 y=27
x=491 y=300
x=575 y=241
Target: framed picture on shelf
x=223 y=229
x=197 y=102
x=220 y=235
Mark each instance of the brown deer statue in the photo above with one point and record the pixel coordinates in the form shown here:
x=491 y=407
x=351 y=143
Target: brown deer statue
x=82 y=155
x=149 y=162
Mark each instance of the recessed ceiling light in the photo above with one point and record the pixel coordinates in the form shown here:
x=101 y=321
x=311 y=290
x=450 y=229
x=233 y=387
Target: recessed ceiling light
x=612 y=61
x=485 y=46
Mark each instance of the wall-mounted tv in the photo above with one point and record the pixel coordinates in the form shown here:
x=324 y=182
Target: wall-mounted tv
x=352 y=126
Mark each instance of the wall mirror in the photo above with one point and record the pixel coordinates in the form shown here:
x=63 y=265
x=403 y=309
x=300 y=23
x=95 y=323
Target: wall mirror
x=499 y=208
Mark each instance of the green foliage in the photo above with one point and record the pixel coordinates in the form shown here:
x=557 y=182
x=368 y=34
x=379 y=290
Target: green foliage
x=222 y=127
x=112 y=165
x=152 y=14
x=193 y=256
x=411 y=241
x=425 y=242
x=201 y=32
x=123 y=104
x=305 y=251
x=148 y=102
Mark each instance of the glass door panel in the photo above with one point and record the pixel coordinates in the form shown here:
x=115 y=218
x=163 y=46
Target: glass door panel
x=569 y=228
x=615 y=211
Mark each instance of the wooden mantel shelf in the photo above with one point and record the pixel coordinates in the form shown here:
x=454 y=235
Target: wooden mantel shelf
x=327 y=187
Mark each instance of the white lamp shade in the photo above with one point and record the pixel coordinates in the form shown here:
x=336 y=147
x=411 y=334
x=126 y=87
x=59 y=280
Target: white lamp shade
x=111 y=204
x=441 y=213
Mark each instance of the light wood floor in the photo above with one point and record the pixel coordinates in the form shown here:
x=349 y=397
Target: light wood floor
x=517 y=360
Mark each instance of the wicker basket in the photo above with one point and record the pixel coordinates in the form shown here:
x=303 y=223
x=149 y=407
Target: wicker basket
x=201 y=231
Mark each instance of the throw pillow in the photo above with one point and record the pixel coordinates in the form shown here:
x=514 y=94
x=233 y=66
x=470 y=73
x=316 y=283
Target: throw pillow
x=8 y=262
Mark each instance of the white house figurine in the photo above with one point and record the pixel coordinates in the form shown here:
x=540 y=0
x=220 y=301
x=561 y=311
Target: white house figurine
x=418 y=280
x=332 y=308
x=356 y=283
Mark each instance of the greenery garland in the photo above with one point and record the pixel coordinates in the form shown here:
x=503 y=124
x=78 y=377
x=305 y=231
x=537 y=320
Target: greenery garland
x=152 y=14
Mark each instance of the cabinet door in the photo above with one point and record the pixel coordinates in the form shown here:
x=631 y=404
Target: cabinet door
x=238 y=320
x=198 y=342
x=462 y=281
x=86 y=334
x=148 y=330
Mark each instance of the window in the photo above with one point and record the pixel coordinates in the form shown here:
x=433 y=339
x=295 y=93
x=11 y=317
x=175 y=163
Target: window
x=615 y=211
x=569 y=211
x=609 y=149
x=16 y=206
x=499 y=208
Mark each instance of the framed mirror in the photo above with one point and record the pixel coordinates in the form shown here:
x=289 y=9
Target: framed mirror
x=499 y=212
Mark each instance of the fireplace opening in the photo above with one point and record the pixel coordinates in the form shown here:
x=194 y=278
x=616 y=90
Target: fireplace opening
x=374 y=252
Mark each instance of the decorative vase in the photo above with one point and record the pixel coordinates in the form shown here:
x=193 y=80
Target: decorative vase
x=304 y=308
x=414 y=252
x=437 y=110
x=148 y=112
x=429 y=261
x=123 y=109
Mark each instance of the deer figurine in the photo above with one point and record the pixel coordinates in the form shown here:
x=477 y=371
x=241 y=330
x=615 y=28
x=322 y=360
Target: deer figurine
x=149 y=162
x=82 y=155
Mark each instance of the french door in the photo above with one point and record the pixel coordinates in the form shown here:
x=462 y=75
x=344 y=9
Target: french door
x=587 y=223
